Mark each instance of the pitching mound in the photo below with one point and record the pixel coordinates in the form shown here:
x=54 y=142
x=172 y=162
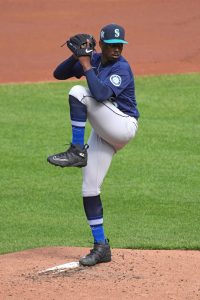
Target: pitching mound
x=132 y=274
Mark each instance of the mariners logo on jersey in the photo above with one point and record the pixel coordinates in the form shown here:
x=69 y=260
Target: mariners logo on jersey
x=115 y=80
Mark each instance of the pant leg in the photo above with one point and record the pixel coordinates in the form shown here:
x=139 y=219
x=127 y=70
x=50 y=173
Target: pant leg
x=100 y=155
x=107 y=120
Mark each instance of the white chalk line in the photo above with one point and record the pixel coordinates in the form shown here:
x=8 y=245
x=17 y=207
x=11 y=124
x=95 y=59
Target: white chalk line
x=61 y=268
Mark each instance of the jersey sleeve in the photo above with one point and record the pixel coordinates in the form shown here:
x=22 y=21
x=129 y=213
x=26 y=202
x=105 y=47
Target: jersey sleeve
x=119 y=78
x=78 y=70
x=68 y=68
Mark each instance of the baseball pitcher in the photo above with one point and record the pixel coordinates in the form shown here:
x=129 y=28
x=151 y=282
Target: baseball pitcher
x=110 y=106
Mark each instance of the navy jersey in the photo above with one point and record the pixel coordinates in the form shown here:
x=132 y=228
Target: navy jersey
x=116 y=76
x=119 y=77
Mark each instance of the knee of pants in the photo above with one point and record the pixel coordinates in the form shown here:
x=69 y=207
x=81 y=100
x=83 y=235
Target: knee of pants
x=89 y=191
x=79 y=92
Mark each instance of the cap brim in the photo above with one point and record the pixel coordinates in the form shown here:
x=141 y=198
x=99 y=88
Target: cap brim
x=115 y=41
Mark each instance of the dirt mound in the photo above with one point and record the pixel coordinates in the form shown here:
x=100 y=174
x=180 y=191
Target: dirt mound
x=132 y=274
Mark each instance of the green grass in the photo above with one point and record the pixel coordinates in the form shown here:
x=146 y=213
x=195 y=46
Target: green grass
x=151 y=195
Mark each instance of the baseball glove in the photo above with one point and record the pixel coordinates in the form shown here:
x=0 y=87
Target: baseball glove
x=81 y=44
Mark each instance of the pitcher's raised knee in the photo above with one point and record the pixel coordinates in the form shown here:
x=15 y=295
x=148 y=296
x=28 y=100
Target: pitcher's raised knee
x=79 y=92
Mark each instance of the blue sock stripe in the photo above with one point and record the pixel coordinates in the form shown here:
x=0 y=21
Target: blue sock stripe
x=78 y=135
x=98 y=233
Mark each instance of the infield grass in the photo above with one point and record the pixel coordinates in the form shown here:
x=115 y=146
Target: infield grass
x=151 y=195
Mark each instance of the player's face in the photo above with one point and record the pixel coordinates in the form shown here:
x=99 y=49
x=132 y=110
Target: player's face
x=110 y=52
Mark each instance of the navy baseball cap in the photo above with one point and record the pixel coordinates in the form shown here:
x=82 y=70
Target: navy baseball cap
x=113 y=33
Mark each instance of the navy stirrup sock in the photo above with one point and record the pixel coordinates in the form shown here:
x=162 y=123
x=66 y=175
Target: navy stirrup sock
x=78 y=114
x=94 y=213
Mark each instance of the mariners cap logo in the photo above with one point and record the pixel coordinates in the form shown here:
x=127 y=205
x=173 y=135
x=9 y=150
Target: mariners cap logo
x=113 y=33
x=117 y=32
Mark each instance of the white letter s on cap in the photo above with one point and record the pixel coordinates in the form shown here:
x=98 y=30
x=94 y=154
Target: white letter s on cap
x=117 y=33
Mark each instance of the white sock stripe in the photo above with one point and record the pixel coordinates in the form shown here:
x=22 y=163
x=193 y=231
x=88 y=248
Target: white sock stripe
x=96 y=222
x=78 y=124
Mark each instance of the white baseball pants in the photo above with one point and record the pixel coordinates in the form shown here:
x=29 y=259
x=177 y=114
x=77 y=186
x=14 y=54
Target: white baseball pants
x=112 y=130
